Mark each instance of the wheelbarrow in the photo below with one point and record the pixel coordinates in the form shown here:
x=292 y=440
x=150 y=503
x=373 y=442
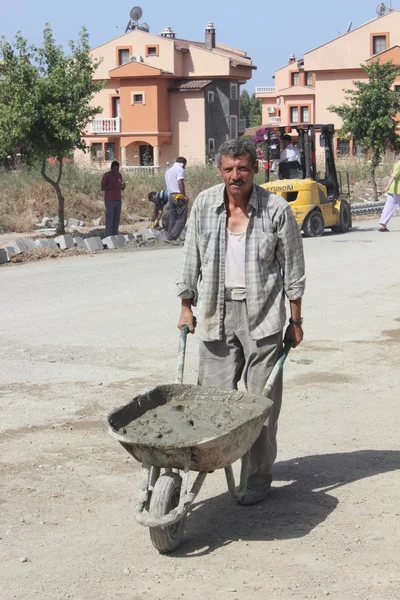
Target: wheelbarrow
x=165 y=499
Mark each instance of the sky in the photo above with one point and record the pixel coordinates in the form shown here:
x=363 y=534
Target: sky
x=267 y=31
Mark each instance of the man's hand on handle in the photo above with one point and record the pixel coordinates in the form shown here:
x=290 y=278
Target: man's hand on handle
x=187 y=317
x=294 y=333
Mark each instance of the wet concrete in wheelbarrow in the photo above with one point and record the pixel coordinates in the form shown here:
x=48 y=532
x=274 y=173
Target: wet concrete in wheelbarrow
x=194 y=414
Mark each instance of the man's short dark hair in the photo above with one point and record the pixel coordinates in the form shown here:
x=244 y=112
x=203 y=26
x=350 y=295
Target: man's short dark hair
x=287 y=137
x=182 y=160
x=237 y=148
x=152 y=195
x=114 y=163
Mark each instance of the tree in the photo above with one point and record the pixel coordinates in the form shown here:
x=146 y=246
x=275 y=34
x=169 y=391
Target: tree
x=370 y=116
x=45 y=106
x=255 y=111
x=250 y=109
x=245 y=105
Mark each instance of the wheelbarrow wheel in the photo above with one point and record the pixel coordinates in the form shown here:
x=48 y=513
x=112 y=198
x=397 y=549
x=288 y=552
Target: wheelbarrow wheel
x=164 y=498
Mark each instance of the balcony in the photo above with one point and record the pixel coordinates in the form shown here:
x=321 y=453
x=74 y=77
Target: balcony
x=275 y=120
x=265 y=90
x=105 y=125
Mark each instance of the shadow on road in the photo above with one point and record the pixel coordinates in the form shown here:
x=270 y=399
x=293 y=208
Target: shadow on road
x=291 y=511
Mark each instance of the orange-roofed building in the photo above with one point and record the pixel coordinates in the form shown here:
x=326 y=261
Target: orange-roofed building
x=306 y=87
x=166 y=97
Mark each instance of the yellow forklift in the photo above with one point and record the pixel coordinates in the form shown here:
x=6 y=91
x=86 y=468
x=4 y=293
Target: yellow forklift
x=317 y=202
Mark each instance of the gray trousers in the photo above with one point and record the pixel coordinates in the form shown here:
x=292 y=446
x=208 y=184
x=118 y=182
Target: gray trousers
x=178 y=213
x=223 y=363
x=113 y=215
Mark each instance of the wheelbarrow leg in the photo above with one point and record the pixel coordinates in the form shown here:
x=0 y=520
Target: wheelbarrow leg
x=244 y=473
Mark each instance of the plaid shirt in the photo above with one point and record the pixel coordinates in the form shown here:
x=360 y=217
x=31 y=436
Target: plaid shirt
x=274 y=262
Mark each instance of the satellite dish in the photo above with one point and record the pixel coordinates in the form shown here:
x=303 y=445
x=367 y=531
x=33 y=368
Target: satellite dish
x=144 y=27
x=136 y=13
x=382 y=9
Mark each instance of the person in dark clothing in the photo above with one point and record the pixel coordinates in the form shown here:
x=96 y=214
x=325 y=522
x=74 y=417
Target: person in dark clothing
x=112 y=185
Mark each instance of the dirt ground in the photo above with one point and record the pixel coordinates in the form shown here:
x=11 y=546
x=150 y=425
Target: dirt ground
x=82 y=335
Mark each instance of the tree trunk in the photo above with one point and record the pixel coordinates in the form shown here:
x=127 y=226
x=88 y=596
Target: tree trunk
x=56 y=186
x=61 y=218
x=373 y=183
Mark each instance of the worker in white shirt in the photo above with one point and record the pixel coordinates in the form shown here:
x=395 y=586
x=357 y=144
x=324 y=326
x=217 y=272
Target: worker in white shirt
x=178 y=201
x=289 y=152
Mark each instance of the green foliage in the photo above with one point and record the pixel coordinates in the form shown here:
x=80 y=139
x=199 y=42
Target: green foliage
x=250 y=109
x=46 y=101
x=46 y=97
x=370 y=115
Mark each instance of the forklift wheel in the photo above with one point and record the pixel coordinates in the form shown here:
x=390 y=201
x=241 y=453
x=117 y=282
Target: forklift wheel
x=344 y=218
x=314 y=224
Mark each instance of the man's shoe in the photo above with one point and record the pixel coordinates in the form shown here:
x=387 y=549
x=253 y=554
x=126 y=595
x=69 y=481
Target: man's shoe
x=250 y=497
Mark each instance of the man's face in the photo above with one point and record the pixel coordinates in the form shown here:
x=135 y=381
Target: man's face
x=285 y=144
x=238 y=174
x=115 y=169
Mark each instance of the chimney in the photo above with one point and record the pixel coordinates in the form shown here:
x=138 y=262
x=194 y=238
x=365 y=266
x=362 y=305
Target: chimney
x=168 y=33
x=210 y=36
x=292 y=59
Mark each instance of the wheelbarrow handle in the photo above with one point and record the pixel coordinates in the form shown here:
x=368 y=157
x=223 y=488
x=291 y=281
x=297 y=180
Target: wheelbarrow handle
x=278 y=367
x=181 y=354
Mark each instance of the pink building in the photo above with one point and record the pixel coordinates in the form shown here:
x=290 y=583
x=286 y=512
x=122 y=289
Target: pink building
x=166 y=97
x=305 y=87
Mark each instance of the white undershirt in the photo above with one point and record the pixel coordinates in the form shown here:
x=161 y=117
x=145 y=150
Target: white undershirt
x=235 y=259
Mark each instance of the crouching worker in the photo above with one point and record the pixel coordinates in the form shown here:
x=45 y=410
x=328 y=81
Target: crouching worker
x=160 y=200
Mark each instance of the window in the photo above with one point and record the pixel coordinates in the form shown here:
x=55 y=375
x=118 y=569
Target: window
x=152 y=50
x=378 y=44
x=138 y=98
x=309 y=80
x=295 y=78
x=397 y=88
x=304 y=114
x=110 y=151
x=96 y=151
x=343 y=147
x=211 y=145
x=210 y=96
x=294 y=114
x=123 y=56
x=116 y=107
x=234 y=91
x=233 y=130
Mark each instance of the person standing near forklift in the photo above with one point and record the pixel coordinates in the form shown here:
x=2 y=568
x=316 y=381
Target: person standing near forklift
x=243 y=254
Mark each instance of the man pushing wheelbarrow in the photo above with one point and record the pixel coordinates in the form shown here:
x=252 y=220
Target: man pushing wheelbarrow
x=243 y=254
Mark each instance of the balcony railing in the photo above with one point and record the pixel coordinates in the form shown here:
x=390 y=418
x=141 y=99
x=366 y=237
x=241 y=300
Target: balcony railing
x=242 y=125
x=265 y=90
x=105 y=125
x=275 y=120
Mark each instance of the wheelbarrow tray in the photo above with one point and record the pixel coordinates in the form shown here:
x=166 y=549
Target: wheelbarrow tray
x=205 y=455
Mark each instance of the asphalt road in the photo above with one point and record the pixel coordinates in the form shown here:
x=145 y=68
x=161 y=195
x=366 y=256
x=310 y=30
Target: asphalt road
x=82 y=335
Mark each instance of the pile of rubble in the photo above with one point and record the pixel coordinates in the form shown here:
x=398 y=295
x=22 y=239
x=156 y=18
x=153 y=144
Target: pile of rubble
x=65 y=242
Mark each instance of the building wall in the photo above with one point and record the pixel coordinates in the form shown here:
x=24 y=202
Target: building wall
x=351 y=49
x=136 y=41
x=188 y=129
x=200 y=63
x=330 y=90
